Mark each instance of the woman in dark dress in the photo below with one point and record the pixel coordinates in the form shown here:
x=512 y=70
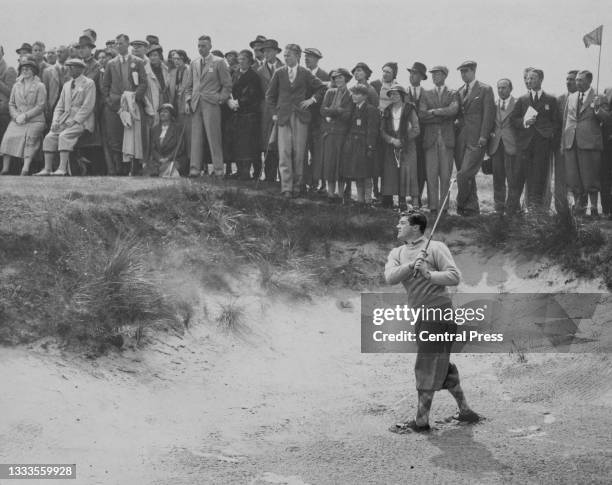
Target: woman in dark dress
x=359 y=154
x=336 y=113
x=399 y=129
x=167 y=145
x=244 y=132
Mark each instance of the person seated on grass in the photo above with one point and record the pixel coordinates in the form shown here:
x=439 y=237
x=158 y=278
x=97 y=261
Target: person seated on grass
x=167 y=145
x=73 y=115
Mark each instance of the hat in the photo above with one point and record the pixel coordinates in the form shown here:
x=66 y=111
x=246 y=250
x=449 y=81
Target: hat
x=86 y=40
x=152 y=39
x=341 y=72
x=110 y=43
x=363 y=66
x=270 y=44
x=138 y=43
x=397 y=88
x=28 y=61
x=217 y=53
x=313 y=52
x=443 y=69
x=91 y=33
x=420 y=68
x=260 y=39
x=155 y=48
x=393 y=66
x=24 y=47
x=295 y=48
x=75 y=62
x=230 y=53
x=169 y=107
x=360 y=89
x=467 y=65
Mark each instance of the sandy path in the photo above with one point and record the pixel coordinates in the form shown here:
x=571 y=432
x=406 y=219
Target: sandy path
x=292 y=400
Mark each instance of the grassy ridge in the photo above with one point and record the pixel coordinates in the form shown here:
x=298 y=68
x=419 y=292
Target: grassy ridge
x=104 y=266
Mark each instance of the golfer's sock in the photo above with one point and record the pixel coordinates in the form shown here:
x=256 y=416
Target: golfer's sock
x=424 y=406
x=457 y=393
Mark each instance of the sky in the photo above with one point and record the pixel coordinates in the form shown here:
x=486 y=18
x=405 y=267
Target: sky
x=503 y=37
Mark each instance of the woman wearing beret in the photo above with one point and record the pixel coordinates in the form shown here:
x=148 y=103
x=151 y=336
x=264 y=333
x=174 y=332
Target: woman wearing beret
x=167 y=144
x=359 y=153
x=336 y=113
x=362 y=74
x=399 y=129
x=26 y=107
x=244 y=131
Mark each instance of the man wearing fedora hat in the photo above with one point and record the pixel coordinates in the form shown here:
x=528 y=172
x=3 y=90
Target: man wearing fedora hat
x=474 y=125
x=292 y=91
x=438 y=108
x=312 y=163
x=73 y=115
x=418 y=74
x=123 y=73
x=258 y=51
x=271 y=63
x=24 y=50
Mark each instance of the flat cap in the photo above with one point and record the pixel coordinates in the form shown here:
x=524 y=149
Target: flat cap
x=467 y=65
x=75 y=62
x=398 y=89
x=139 y=43
x=313 y=52
x=443 y=69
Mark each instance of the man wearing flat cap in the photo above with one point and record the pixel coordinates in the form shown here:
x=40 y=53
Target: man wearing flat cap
x=474 y=125
x=266 y=71
x=139 y=49
x=418 y=74
x=125 y=72
x=292 y=91
x=208 y=87
x=312 y=163
x=438 y=108
x=73 y=115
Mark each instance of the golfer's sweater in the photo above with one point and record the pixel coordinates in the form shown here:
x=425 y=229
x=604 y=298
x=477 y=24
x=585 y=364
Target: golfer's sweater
x=421 y=291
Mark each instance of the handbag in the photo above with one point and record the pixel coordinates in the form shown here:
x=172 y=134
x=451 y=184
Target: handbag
x=487 y=166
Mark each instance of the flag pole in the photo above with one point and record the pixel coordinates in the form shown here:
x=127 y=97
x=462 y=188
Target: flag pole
x=599 y=63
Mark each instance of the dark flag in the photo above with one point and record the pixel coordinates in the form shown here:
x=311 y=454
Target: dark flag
x=593 y=38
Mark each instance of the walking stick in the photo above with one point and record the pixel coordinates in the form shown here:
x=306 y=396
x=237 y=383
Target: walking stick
x=416 y=272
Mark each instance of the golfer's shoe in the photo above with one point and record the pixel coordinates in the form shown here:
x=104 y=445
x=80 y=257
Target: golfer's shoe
x=409 y=427
x=467 y=417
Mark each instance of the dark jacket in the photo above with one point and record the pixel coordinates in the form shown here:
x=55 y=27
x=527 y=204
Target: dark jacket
x=548 y=121
x=338 y=117
x=447 y=107
x=115 y=83
x=247 y=90
x=284 y=98
x=476 y=115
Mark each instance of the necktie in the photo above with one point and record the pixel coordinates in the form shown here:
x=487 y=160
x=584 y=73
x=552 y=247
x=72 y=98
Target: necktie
x=535 y=97
x=72 y=84
x=579 y=102
x=503 y=107
x=467 y=90
x=291 y=74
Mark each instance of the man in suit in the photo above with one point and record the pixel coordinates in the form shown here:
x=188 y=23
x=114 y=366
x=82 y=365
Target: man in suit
x=606 y=163
x=73 y=115
x=438 y=109
x=292 y=91
x=125 y=72
x=502 y=150
x=535 y=136
x=266 y=71
x=49 y=76
x=312 y=163
x=560 y=184
x=583 y=143
x=258 y=54
x=209 y=86
x=418 y=74
x=476 y=118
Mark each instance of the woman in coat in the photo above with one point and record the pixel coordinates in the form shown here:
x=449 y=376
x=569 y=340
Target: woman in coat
x=336 y=113
x=177 y=84
x=23 y=136
x=359 y=153
x=244 y=129
x=399 y=129
x=167 y=144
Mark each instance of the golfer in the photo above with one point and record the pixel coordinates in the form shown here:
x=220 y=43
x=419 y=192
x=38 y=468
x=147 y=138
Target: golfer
x=425 y=275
